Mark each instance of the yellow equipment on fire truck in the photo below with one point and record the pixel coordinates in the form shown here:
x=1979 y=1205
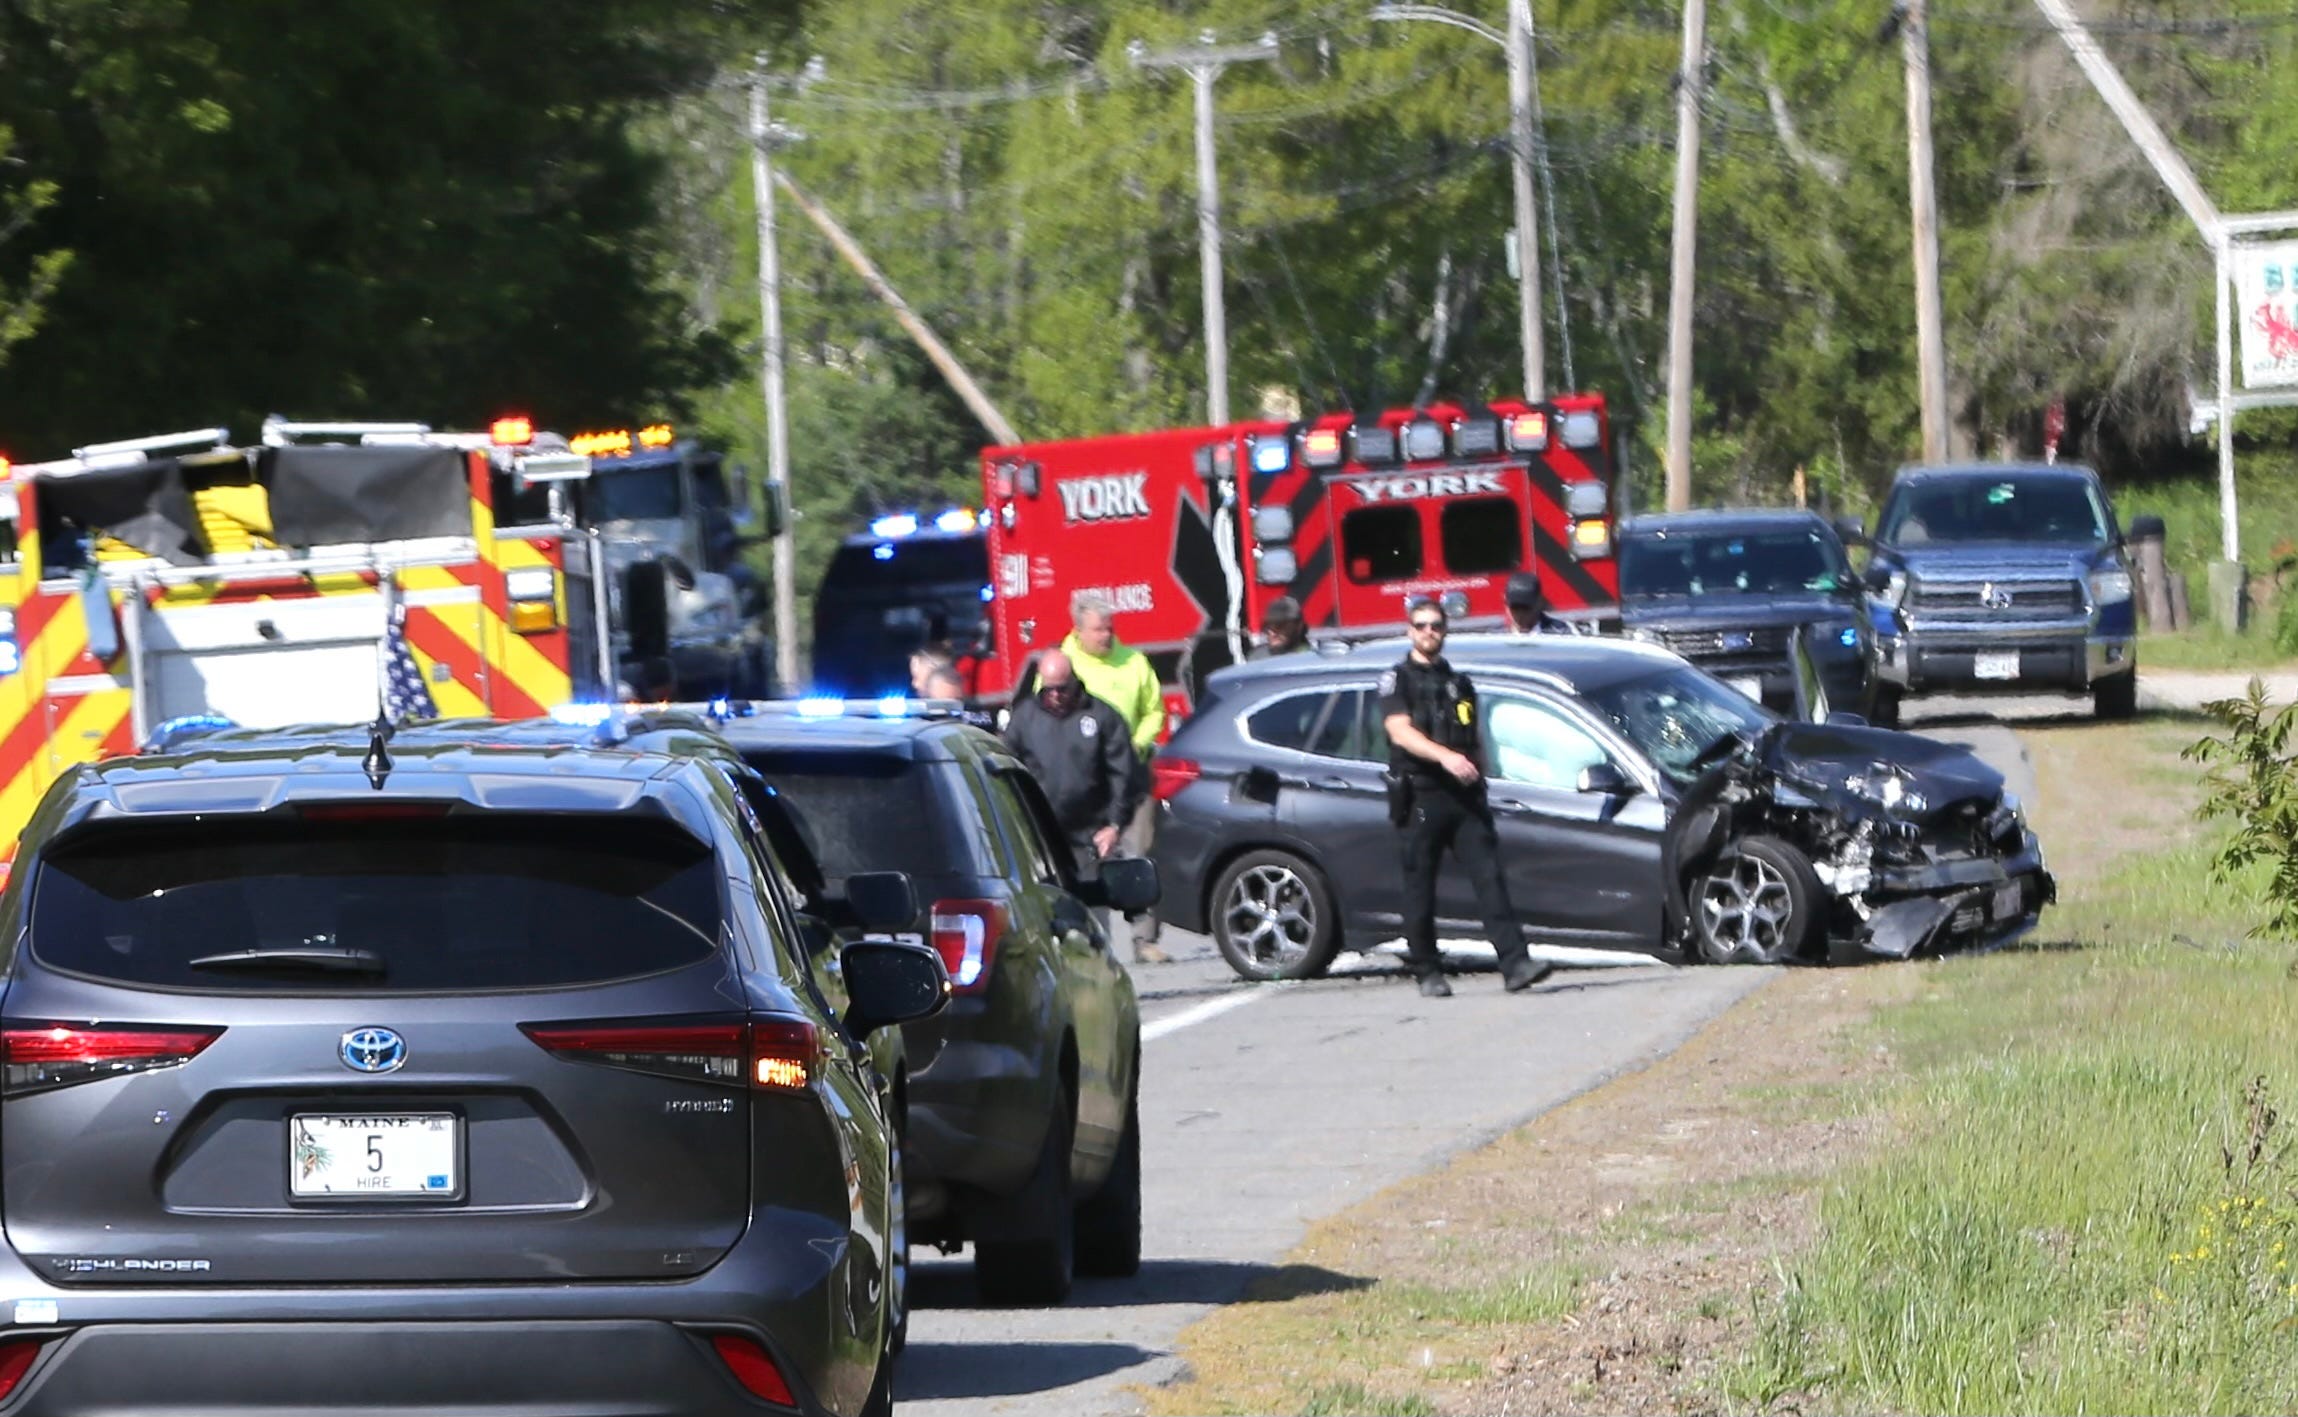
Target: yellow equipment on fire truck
x=154 y=579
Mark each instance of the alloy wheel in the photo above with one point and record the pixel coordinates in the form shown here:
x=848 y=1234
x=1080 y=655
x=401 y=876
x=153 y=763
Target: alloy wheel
x=1271 y=915
x=1747 y=910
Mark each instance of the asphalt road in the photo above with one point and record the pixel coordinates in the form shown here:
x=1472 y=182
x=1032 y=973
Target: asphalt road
x=1267 y=1107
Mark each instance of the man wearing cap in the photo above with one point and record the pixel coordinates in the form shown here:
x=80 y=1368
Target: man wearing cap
x=1122 y=677
x=1528 y=608
x=1283 y=629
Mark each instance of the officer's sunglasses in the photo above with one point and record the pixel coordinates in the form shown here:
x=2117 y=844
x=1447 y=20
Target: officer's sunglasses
x=1435 y=627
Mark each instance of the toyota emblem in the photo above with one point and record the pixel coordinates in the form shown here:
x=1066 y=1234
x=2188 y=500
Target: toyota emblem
x=373 y=1050
x=1994 y=597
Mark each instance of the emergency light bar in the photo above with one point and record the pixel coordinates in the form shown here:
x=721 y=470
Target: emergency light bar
x=1374 y=444
x=1321 y=447
x=1273 y=454
x=1475 y=437
x=1580 y=429
x=1528 y=433
x=514 y=432
x=1423 y=440
x=899 y=524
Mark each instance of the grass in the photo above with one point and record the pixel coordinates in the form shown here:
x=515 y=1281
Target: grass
x=2207 y=646
x=2091 y=1205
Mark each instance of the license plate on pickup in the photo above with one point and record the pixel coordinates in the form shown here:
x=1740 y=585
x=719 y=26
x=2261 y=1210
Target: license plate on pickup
x=2004 y=665
x=2010 y=902
x=1748 y=685
x=378 y=1155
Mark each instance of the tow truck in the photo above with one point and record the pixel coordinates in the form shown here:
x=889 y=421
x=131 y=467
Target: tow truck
x=179 y=575
x=1191 y=533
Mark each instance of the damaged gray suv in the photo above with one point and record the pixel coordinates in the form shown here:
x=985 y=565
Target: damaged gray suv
x=1641 y=805
x=351 y=1075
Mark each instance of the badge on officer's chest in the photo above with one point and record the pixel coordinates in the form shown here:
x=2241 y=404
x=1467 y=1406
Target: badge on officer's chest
x=1091 y=726
x=1466 y=710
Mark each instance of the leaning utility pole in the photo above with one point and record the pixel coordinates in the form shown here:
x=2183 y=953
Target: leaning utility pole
x=1930 y=315
x=1686 y=239
x=1204 y=64
x=764 y=137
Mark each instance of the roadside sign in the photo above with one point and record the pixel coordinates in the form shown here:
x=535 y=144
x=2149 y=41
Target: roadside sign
x=2266 y=312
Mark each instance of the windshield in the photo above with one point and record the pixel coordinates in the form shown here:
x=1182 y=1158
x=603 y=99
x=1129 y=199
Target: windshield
x=632 y=494
x=867 y=812
x=2029 y=507
x=1677 y=714
x=1702 y=563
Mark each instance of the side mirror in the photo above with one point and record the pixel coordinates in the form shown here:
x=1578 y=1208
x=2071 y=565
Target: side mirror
x=1850 y=532
x=1878 y=577
x=888 y=982
x=1126 y=883
x=1848 y=720
x=1607 y=779
x=882 y=900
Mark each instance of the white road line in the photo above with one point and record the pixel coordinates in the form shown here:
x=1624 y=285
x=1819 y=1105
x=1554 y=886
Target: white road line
x=1211 y=1008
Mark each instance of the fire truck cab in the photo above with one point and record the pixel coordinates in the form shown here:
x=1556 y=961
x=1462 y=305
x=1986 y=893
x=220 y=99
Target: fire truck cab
x=149 y=580
x=1191 y=533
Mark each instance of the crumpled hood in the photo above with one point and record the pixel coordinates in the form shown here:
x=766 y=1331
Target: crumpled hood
x=1735 y=612
x=1945 y=773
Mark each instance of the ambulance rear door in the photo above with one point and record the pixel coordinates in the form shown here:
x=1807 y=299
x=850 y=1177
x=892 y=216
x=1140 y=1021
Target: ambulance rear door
x=1404 y=532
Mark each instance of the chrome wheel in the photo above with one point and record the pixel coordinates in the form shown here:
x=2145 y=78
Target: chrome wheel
x=1271 y=916
x=1747 y=911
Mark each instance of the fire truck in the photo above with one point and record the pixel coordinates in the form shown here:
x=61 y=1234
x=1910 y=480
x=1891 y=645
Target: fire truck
x=1191 y=533
x=158 y=578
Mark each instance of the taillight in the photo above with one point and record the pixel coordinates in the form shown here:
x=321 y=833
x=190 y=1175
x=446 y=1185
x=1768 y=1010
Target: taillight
x=1167 y=776
x=34 y=1056
x=754 y=1368
x=16 y=1360
x=779 y=1054
x=965 y=934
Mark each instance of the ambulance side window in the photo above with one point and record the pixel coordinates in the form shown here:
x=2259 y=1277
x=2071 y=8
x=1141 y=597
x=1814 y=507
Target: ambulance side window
x=1381 y=543
x=1481 y=534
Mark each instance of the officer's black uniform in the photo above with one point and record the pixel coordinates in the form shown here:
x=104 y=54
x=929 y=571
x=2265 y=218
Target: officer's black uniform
x=1441 y=703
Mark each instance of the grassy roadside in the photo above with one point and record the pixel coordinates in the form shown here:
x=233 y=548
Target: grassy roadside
x=2041 y=1180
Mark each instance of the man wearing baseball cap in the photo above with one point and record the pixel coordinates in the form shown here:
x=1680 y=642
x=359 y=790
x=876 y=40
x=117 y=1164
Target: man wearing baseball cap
x=1528 y=608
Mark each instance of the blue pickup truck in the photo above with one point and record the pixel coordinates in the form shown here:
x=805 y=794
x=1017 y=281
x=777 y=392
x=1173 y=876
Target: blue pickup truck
x=2001 y=578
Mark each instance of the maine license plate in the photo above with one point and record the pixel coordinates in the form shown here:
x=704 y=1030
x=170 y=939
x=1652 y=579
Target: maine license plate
x=2009 y=902
x=380 y=1154
x=1995 y=666
x=1751 y=687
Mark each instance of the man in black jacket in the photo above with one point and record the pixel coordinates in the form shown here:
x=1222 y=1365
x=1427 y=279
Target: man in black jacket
x=1082 y=754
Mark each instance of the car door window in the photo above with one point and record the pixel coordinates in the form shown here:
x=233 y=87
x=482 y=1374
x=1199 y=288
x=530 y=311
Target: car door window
x=1030 y=849
x=1290 y=722
x=1347 y=730
x=1533 y=744
x=1047 y=840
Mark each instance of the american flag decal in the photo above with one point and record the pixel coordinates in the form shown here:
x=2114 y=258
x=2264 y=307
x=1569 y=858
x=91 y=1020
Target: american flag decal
x=405 y=695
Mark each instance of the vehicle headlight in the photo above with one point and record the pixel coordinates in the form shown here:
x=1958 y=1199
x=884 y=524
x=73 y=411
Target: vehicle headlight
x=1895 y=590
x=2110 y=587
x=1888 y=788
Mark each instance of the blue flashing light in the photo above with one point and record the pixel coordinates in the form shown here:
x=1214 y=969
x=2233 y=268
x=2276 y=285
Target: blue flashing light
x=882 y=552
x=1849 y=639
x=722 y=708
x=988 y=593
x=582 y=715
x=1272 y=454
x=820 y=706
x=956 y=519
x=899 y=524
x=893 y=705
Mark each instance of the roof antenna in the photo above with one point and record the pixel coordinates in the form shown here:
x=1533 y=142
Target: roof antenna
x=377 y=764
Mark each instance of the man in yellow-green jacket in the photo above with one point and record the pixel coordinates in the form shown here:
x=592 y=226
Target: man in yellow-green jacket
x=1122 y=677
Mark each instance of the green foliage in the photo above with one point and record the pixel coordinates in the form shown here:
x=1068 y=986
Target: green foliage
x=2252 y=781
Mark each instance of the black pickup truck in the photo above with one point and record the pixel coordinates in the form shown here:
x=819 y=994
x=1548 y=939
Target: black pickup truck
x=2002 y=578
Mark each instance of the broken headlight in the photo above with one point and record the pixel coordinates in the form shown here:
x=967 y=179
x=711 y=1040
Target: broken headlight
x=1887 y=787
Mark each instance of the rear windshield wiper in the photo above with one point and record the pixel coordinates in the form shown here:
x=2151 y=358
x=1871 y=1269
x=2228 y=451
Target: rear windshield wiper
x=290 y=958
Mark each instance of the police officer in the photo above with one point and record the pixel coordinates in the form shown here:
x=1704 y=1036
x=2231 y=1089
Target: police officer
x=1435 y=742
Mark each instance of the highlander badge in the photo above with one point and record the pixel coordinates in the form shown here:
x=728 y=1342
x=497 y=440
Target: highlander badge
x=373 y=1050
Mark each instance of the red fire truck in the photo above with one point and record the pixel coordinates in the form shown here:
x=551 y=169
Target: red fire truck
x=1190 y=533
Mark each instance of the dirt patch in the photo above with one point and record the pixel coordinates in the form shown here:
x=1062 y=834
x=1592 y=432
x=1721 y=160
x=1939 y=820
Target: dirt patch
x=1605 y=1258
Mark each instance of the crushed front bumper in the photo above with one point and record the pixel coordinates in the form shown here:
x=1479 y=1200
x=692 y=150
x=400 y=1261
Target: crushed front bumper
x=1895 y=909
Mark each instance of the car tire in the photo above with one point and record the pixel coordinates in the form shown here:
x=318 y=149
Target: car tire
x=1884 y=711
x=2116 y=698
x=1273 y=917
x=1109 y=1220
x=1759 y=902
x=1037 y=1270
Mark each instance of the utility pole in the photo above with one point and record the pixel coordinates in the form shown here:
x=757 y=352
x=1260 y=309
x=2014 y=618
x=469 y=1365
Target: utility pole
x=1686 y=245
x=1204 y=64
x=764 y=138
x=1930 y=315
x=1520 y=61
